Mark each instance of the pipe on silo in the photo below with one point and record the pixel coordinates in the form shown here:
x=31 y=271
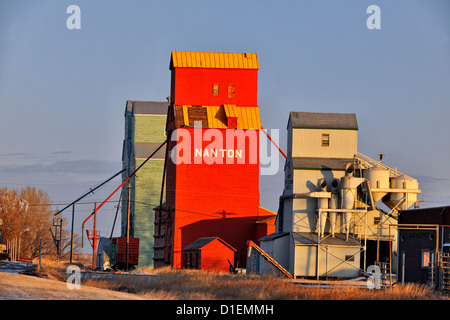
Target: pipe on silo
x=322 y=204
x=348 y=192
x=333 y=204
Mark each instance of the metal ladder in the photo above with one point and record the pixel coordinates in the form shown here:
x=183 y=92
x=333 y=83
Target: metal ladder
x=444 y=274
x=251 y=244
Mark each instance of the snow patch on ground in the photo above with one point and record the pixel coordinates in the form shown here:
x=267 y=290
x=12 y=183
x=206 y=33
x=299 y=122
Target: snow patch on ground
x=15 y=266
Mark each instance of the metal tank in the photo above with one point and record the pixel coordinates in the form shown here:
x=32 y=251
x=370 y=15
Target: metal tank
x=401 y=200
x=378 y=178
x=348 y=193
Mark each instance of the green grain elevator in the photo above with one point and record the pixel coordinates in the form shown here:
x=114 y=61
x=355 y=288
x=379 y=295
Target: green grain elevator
x=145 y=123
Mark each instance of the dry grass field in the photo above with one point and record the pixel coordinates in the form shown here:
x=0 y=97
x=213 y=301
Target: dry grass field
x=168 y=284
x=200 y=285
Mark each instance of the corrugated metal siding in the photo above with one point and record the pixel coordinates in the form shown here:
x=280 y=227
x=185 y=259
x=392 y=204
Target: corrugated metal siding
x=303 y=218
x=277 y=248
x=147 y=193
x=149 y=128
x=308 y=143
x=331 y=262
x=222 y=60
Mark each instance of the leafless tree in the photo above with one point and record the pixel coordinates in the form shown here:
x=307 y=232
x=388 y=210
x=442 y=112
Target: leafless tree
x=27 y=215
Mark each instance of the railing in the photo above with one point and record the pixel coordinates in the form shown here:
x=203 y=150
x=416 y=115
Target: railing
x=364 y=162
x=385 y=274
x=251 y=244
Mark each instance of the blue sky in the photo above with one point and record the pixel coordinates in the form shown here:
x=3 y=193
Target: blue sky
x=63 y=92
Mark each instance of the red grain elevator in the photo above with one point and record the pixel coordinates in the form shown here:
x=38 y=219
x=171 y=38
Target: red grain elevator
x=212 y=177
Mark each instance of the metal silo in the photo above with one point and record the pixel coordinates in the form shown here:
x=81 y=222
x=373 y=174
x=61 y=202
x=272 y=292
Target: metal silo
x=348 y=193
x=379 y=179
x=402 y=200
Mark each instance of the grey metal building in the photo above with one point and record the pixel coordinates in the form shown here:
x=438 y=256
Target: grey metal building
x=328 y=217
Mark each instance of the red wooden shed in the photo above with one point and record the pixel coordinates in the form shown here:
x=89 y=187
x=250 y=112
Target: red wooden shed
x=209 y=253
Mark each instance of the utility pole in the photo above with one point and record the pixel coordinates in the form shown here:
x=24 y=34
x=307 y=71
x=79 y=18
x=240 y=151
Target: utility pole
x=128 y=222
x=71 y=233
x=40 y=252
x=95 y=237
x=57 y=236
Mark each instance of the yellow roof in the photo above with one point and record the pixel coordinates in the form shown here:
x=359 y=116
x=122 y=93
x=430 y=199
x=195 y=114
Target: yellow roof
x=248 y=117
x=230 y=110
x=227 y=60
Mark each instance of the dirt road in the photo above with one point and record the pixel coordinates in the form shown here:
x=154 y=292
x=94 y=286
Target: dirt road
x=15 y=286
x=22 y=287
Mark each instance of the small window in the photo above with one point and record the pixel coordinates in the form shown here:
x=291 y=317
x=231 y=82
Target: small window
x=349 y=258
x=376 y=220
x=215 y=90
x=231 y=91
x=325 y=140
x=426 y=258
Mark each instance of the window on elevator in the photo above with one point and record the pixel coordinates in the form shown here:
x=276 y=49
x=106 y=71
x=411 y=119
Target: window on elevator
x=215 y=89
x=325 y=140
x=231 y=91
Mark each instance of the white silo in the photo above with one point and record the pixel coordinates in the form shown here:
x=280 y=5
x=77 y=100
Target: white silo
x=402 y=200
x=378 y=178
x=348 y=192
